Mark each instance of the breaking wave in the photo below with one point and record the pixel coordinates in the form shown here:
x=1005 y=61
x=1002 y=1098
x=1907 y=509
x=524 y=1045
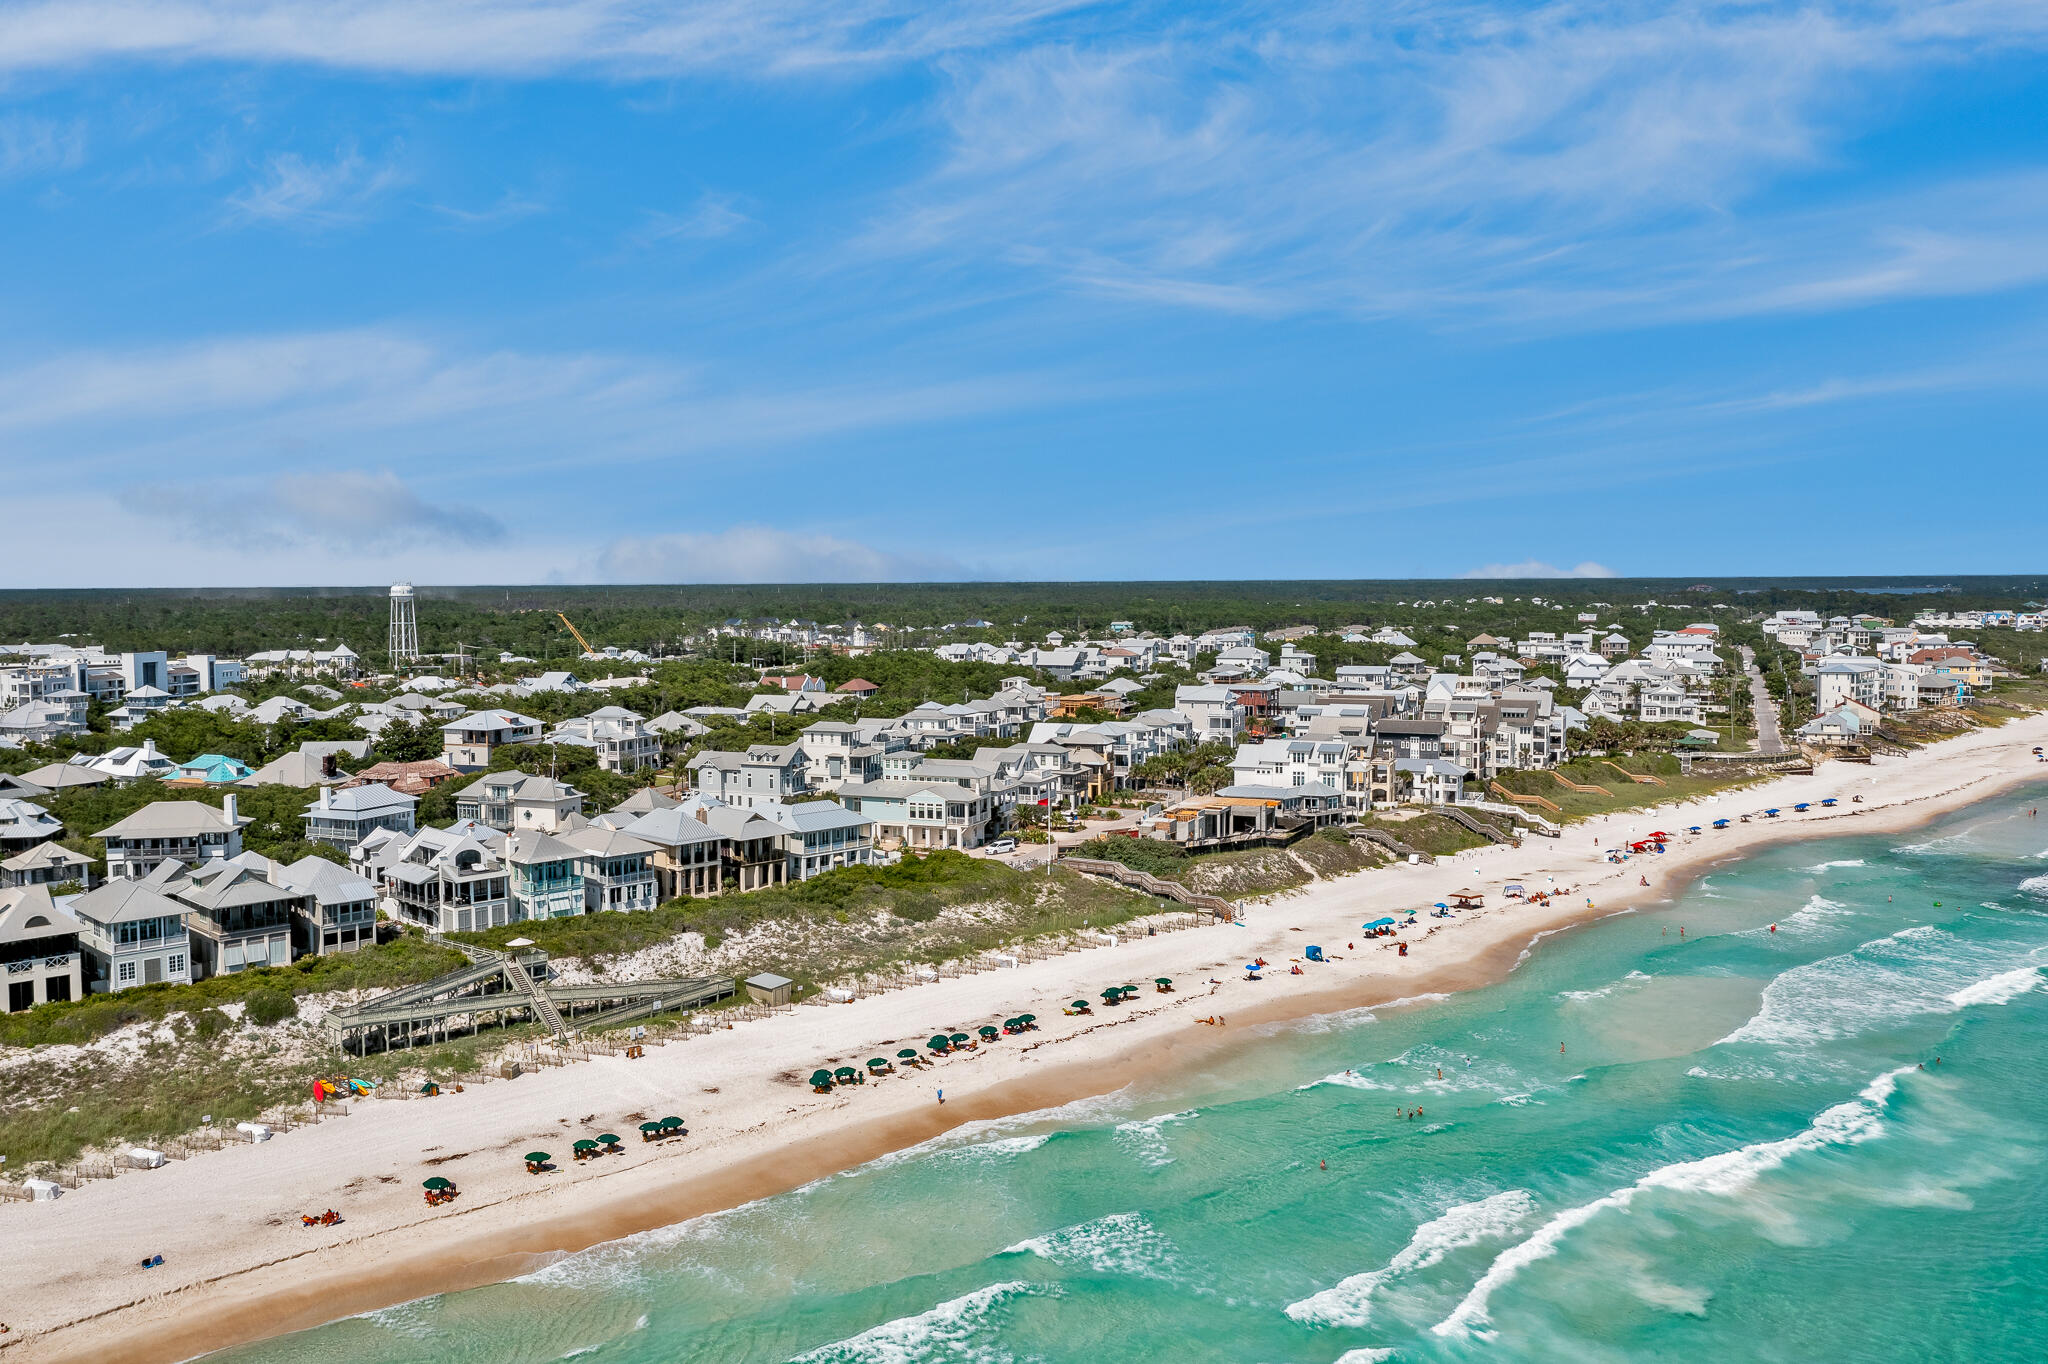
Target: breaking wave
x=1123 y=1243
x=945 y=1333
x=1350 y=1303
x=1845 y=1124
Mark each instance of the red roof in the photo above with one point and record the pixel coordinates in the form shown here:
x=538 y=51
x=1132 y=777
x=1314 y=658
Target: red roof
x=859 y=684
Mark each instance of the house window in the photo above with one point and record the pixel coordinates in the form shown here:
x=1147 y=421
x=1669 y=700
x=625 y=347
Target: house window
x=175 y=963
x=125 y=973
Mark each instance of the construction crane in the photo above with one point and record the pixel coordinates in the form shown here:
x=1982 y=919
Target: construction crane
x=576 y=632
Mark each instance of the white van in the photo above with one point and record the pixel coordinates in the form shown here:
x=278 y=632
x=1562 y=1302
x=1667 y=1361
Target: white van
x=1001 y=846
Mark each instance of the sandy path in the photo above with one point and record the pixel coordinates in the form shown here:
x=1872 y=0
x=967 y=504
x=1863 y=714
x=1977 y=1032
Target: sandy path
x=238 y=1265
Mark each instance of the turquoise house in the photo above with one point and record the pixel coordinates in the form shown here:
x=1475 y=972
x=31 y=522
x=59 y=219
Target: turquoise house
x=210 y=769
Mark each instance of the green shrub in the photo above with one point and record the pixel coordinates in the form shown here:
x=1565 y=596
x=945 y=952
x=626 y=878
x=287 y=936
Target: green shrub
x=210 y=1023
x=266 y=1007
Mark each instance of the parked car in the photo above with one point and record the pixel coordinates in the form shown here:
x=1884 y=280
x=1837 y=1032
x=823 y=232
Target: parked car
x=1001 y=846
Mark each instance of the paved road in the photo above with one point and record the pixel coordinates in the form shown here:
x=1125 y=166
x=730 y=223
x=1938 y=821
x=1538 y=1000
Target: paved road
x=1769 y=741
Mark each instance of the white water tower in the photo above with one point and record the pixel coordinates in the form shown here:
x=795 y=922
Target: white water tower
x=405 y=629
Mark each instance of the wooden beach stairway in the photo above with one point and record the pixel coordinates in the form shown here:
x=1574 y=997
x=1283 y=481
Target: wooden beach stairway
x=1568 y=784
x=1644 y=778
x=1520 y=799
x=1152 y=885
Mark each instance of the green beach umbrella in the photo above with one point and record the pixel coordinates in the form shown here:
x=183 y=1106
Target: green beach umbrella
x=538 y=1157
x=1112 y=994
x=582 y=1144
x=608 y=1139
x=1162 y=980
x=989 y=1030
x=656 y=1127
x=939 y=1043
x=958 y=1038
x=437 y=1182
x=1080 y=1003
x=671 y=1124
x=877 y=1064
x=846 y=1072
x=1027 y=1018
x=907 y=1054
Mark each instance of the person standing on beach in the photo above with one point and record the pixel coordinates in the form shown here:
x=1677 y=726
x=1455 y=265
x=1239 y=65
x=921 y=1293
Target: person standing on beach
x=942 y=1098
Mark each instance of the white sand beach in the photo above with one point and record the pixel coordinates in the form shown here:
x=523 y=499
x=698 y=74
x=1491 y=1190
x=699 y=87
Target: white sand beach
x=239 y=1266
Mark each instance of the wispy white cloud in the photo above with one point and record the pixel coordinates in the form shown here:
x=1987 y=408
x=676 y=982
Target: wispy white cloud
x=511 y=37
x=292 y=189
x=1536 y=568
x=29 y=145
x=713 y=215
x=763 y=554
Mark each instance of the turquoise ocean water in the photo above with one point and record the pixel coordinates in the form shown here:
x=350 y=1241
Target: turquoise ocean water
x=1736 y=1155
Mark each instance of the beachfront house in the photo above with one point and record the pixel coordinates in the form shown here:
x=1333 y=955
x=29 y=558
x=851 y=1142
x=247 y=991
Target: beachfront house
x=237 y=916
x=451 y=880
x=39 y=953
x=546 y=876
x=131 y=934
x=617 y=868
x=689 y=855
x=337 y=910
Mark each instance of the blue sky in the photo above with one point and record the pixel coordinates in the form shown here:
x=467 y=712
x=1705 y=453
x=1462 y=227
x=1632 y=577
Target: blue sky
x=592 y=290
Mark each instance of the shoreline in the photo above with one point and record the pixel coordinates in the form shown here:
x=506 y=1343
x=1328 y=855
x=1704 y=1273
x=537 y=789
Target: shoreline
x=236 y=1273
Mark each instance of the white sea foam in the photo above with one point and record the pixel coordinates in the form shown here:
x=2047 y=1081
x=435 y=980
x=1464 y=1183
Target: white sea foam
x=1631 y=978
x=1729 y=1172
x=1146 y=1137
x=2036 y=886
x=947 y=1332
x=1123 y=1243
x=1830 y=866
x=1370 y=1354
x=1917 y=970
x=1999 y=989
x=1817 y=917
x=1350 y=1303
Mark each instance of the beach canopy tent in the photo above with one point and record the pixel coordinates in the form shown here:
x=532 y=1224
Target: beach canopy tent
x=1828 y=802
x=1720 y=824
x=1312 y=952
x=1467 y=899
x=438 y=1182
x=1512 y=888
x=1772 y=812
x=1802 y=806
x=1694 y=829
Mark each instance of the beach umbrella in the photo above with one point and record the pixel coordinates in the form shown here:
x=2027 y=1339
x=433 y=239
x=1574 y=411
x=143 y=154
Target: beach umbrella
x=608 y=1139
x=845 y=1073
x=877 y=1063
x=957 y=1038
x=1379 y=923
x=989 y=1030
x=671 y=1124
x=437 y=1182
x=1112 y=995
x=583 y=1144
x=1027 y=1018
x=538 y=1157
x=647 y=1127
x=1080 y=1003
x=907 y=1054
x=939 y=1042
